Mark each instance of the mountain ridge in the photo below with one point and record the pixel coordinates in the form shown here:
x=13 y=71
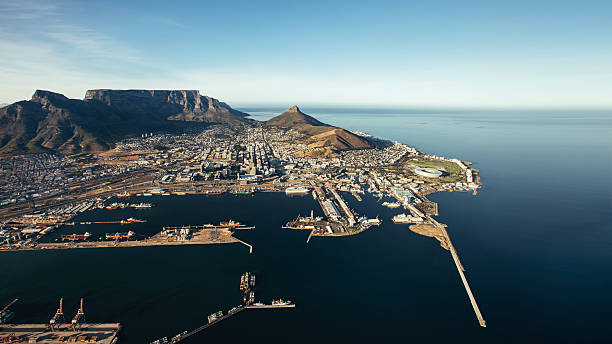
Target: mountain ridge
x=50 y=121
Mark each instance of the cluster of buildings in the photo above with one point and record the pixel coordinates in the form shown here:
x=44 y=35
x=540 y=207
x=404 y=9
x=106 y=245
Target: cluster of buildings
x=25 y=178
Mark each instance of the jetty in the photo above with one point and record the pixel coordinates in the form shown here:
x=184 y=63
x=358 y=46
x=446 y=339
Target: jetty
x=461 y=271
x=247 y=286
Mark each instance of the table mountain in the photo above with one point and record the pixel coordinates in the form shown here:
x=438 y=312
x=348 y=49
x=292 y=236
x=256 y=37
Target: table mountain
x=52 y=122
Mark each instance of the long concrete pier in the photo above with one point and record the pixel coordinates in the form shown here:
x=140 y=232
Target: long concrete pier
x=310 y=236
x=205 y=326
x=291 y=305
x=461 y=270
x=248 y=245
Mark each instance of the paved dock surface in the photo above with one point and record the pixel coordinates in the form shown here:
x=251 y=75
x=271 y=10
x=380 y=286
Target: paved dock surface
x=104 y=333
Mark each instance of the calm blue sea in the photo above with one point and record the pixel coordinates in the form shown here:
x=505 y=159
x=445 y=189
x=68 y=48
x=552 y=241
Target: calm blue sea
x=536 y=243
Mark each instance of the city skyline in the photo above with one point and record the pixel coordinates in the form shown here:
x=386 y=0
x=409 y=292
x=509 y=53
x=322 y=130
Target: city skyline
x=414 y=55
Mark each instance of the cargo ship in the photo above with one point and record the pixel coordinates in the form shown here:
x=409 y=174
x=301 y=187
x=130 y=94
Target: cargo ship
x=293 y=190
x=75 y=237
x=118 y=236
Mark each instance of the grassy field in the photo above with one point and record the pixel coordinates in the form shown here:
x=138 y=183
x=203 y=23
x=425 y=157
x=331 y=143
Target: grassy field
x=454 y=171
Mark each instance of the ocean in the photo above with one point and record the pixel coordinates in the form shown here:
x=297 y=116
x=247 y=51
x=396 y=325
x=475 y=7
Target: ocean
x=536 y=243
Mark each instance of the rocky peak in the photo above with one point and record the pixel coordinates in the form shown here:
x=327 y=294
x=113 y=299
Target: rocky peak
x=294 y=108
x=46 y=97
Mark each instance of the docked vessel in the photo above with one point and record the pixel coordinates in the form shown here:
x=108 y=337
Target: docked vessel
x=391 y=205
x=124 y=194
x=374 y=222
x=75 y=237
x=230 y=223
x=241 y=192
x=213 y=192
x=294 y=190
x=280 y=302
x=115 y=205
x=118 y=236
x=141 y=206
x=403 y=218
x=131 y=220
x=6 y=314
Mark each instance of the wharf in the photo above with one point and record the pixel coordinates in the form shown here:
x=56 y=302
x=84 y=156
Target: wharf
x=41 y=333
x=461 y=270
x=205 y=326
x=153 y=241
x=291 y=305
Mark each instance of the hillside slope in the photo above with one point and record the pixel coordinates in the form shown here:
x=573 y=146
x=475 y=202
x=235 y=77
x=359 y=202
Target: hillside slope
x=323 y=139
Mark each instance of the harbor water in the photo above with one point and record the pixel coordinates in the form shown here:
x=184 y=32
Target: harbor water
x=536 y=243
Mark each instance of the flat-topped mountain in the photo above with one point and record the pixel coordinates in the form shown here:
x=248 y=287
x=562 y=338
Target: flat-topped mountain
x=51 y=122
x=322 y=139
x=170 y=104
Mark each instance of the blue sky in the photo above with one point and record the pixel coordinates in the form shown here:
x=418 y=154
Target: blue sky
x=405 y=53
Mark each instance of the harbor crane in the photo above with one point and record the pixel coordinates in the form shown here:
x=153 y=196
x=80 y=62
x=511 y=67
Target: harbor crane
x=79 y=317
x=58 y=318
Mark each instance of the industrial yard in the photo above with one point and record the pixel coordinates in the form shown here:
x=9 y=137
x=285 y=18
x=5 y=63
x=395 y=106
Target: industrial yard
x=59 y=330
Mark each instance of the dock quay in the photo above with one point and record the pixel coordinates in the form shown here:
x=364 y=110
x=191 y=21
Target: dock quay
x=261 y=306
x=60 y=331
x=180 y=337
x=40 y=333
x=461 y=270
x=203 y=237
x=247 y=286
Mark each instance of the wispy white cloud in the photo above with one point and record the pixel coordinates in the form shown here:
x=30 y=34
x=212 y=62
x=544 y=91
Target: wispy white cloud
x=26 y=9
x=53 y=53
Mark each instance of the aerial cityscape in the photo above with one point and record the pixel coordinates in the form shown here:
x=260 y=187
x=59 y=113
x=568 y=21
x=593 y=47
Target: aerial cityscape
x=289 y=172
